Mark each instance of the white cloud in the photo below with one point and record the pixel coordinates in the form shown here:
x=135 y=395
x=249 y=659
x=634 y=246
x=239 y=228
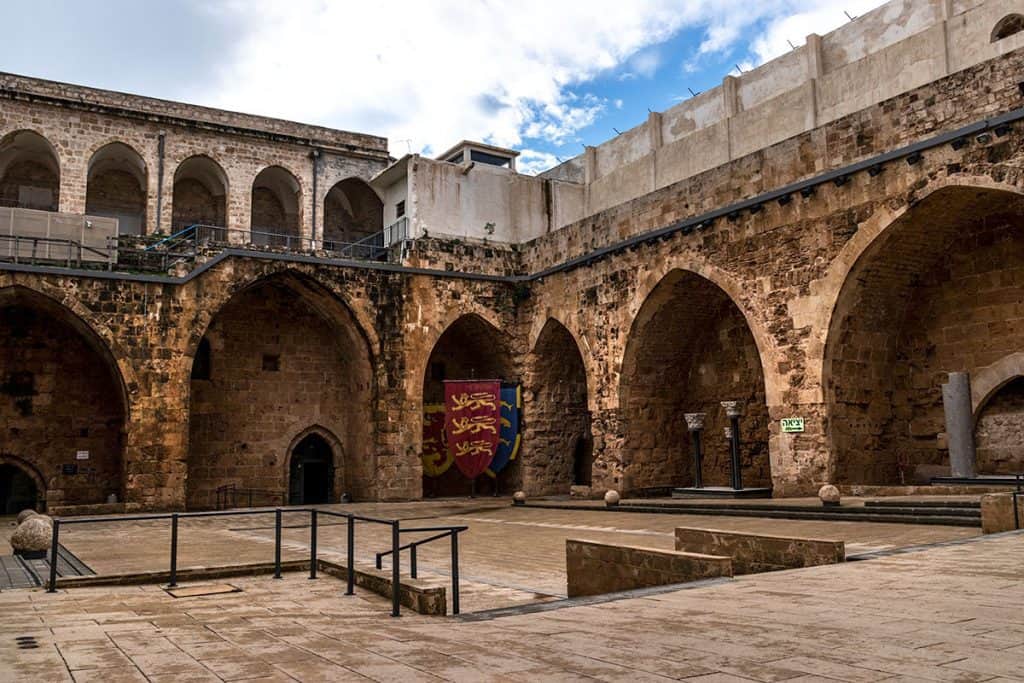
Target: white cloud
x=434 y=72
x=427 y=74
x=532 y=162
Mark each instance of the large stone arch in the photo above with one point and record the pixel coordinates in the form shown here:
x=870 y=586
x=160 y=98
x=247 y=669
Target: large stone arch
x=904 y=292
x=285 y=353
x=66 y=406
x=117 y=182
x=690 y=346
x=469 y=347
x=556 y=414
x=30 y=171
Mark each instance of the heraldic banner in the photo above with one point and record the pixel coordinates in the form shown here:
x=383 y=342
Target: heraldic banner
x=436 y=458
x=508 y=435
x=471 y=423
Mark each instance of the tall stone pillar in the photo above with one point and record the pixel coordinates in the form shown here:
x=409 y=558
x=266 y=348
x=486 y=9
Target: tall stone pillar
x=956 y=401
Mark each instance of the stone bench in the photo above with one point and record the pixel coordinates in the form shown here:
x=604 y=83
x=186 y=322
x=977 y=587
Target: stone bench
x=594 y=568
x=755 y=553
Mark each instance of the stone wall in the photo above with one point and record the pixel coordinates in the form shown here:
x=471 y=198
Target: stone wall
x=756 y=553
x=58 y=399
x=595 y=568
x=999 y=433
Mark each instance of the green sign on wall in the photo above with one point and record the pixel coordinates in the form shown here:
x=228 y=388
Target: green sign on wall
x=792 y=425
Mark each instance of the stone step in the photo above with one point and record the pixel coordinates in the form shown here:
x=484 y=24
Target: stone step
x=852 y=510
x=969 y=504
x=791 y=512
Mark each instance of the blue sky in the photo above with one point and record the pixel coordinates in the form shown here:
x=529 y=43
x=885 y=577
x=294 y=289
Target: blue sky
x=542 y=76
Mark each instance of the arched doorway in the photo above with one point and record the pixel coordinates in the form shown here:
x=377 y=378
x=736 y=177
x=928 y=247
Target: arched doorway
x=62 y=401
x=559 y=420
x=470 y=348
x=276 y=207
x=18 y=490
x=200 y=194
x=999 y=431
x=689 y=349
x=281 y=354
x=311 y=472
x=117 y=187
x=29 y=172
x=937 y=291
x=352 y=211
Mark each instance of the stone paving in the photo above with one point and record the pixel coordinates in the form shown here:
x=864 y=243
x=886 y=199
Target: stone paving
x=949 y=613
x=509 y=556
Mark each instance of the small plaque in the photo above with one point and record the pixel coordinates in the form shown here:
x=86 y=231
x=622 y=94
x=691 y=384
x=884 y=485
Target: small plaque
x=81 y=455
x=69 y=468
x=792 y=425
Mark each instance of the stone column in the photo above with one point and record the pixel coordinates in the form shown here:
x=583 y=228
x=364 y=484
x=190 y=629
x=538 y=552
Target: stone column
x=956 y=401
x=733 y=410
x=695 y=425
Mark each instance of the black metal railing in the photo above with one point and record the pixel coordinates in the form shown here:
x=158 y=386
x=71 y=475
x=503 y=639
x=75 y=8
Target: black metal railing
x=53 y=250
x=351 y=519
x=439 y=533
x=232 y=496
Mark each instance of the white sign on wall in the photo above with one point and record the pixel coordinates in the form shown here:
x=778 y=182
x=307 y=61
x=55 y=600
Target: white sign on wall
x=82 y=455
x=792 y=425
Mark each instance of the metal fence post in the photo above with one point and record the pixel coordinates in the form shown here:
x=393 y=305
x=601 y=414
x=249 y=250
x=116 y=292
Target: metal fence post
x=54 y=541
x=412 y=562
x=351 y=556
x=312 y=543
x=396 y=610
x=173 y=580
x=455 y=572
x=277 y=543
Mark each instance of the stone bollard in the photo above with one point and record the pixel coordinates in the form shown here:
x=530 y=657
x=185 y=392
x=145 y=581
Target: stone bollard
x=611 y=498
x=829 y=495
x=519 y=498
x=31 y=539
x=25 y=514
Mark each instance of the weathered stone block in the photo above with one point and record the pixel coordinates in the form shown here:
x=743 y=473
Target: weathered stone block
x=594 y=568
x=755 y=553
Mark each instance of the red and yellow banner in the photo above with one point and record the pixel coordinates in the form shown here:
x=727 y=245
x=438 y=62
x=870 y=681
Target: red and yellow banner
x=471 y=423
x=436 y=458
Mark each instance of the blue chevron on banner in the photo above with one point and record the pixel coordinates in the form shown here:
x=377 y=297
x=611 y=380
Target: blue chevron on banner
x=508 y=436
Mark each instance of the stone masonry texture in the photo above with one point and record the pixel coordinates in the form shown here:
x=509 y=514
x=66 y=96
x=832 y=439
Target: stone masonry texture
x=846 y=307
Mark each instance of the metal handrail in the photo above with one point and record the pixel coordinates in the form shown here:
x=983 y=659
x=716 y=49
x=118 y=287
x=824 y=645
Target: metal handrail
x=446 y=531
x=175 y=518
x=74 y=250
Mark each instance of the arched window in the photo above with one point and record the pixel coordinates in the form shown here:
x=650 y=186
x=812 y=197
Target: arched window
x=1008 y=26
x=29 y=172
x=117 y=187
x=276 y=207
x=200 y=194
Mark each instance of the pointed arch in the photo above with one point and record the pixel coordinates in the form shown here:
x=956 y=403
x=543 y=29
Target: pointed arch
x=558 y=426
x=689 y=348
x=916 y=282
x=62 y=392
x=286 y=352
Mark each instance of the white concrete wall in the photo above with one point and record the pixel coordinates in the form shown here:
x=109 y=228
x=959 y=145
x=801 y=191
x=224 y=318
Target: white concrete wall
x=897 y=47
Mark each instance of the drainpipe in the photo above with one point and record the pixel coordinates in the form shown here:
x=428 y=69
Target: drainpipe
x=159 y=178
x=315 y=154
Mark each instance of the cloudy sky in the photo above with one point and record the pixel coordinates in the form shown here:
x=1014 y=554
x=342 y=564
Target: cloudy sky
x=542 y=76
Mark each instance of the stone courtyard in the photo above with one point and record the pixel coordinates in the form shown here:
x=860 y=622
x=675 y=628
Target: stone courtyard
x=945 y=608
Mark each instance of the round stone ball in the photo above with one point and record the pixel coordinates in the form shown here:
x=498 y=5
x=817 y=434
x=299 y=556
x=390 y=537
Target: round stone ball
x=829 y=495
x=519 y=498
x=32 y=536
x=25 y=514
x=611 y=498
